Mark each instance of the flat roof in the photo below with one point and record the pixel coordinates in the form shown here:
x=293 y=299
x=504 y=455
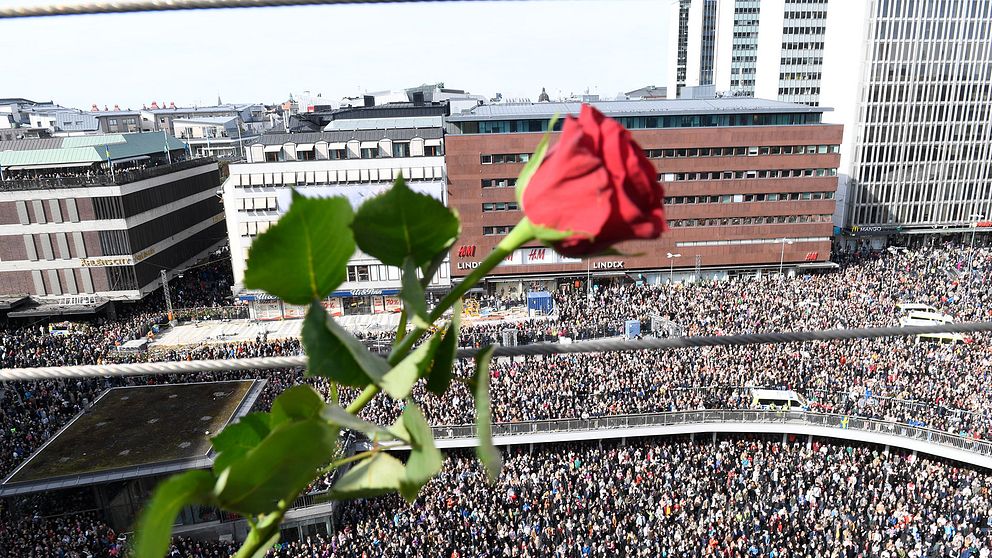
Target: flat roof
x=131 y=432
x=59 y=310
x=344 y=136
x=647 y=107
x=68 y=151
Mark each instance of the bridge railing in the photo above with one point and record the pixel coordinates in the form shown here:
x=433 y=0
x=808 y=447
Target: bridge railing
x=840 y=422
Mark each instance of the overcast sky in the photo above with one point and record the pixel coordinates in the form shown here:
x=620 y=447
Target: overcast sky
x=263 y=54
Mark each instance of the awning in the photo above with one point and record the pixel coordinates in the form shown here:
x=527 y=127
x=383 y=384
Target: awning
x=130 y=159
x=273 y=148
x=58 y=310
x=304 y=147
x=49 y=166
x=369 y=144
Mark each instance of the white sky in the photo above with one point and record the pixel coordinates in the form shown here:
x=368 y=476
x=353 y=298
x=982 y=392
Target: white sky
x=263 y=54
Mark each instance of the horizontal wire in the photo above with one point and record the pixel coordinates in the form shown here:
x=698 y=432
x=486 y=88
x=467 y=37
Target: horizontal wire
x=592 y=346
x=42 y=9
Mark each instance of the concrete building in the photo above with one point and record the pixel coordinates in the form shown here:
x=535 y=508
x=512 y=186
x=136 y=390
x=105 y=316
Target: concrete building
x=223 y=137
x=84 y=220
x=749 y=185
x=357 y=156
x=909 y=81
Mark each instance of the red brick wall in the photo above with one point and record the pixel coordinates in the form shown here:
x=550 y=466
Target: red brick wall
x=465 y=173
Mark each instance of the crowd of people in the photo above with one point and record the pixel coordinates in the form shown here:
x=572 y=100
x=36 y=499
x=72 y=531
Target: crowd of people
x=942 y=386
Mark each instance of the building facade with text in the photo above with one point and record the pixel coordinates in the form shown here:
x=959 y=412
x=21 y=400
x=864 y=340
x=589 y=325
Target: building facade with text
x=749 y=185
x=97 y=218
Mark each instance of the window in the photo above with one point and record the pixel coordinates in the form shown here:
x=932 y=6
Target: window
x=499 y=182
x=370 y=152
x=337 y=154
x=401 y=149
x=496 y=230
x=358 y=273
x=271 y=157
x=112 y=121
x=432 y=151
x=499 y=206
x=487 y=159
x=306 y=155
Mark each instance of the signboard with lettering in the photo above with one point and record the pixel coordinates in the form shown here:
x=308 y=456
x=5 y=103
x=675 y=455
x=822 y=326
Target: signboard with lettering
x=292 y=311
x=267 y=309
x=393 y=304
x=333 y=307
x=73 y=300
x=107 y=261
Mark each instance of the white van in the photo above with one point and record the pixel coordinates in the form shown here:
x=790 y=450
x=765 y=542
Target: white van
x=935 y=318
x=777 y=399
x=907 y=307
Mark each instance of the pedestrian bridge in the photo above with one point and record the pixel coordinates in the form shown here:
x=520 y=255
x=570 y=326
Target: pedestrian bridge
x=823 y=425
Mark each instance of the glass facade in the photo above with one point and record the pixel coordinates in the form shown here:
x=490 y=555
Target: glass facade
x=648 y=122
x=682 y=56
x=801 y=66
x=707 y=54
x=923 y=145
x=744 y=48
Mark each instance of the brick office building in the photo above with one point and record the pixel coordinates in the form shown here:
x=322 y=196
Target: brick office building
x=749 y=186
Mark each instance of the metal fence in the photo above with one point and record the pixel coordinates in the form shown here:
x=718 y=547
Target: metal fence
x=211 y=313
x=840 y=422
x=106 y=179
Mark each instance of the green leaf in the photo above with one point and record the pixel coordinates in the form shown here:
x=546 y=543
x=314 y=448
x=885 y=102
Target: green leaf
x=400 y=223
x=303 y=256
x=412 y=294
x=282 y=465
x=300 y=402
x=335 y=414
x=154 y=529
x=238 y=439
x=535 y=161
x=425 y=459
x=488 y=454
x=399 y=381
x=439 y=376
x=264 y=548
x=430 y=269
x=380 y=474
x=336 y=354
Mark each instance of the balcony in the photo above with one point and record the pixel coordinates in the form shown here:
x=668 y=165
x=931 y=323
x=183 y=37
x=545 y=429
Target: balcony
x=102 y=177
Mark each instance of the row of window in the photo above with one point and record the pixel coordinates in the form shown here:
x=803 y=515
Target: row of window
x=749 y=241
x=738 y=175
x=652 y=122
x=499 y=182
x=253 y=228
x=802 y=46
x=810 y=30
x=802 y=60
x=798 y=90
x=745 y=198
x=267 y=203
x=800 y=75
x=740 y=221
x=335 y=176
x=398 y=150
x=749 y=151
x=499 y=206
x=496 y=230
x=806 y=14
x=376 y=272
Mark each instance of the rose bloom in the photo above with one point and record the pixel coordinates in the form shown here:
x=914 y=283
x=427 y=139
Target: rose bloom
x=596 y=183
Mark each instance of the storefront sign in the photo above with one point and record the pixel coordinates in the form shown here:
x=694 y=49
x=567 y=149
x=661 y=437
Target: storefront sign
x=333 y=307
x=106 y=262
x=143 y=254
x=468 y=265
x=983 y=224
x=73 y=300
x=467 y=251
x=616 y=264
x=365 y=292
x=393 y=304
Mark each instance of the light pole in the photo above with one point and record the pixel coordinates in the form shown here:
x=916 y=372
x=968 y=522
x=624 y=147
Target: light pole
x=671 y=266
x=971 y=257
x=781 y=260
x=168 y=298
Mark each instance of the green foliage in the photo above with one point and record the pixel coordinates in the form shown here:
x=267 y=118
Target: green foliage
x=401 y=223
x=278 y=468
x=439 y=376
x=425 y=459
x=379 y=474
x=300 y=402
x=336 y=415
x=155 y=524
x=238 y=438
x=336 y=354
x=412 y=294
x=303 y=256
x=488 y=454
x=399 y=381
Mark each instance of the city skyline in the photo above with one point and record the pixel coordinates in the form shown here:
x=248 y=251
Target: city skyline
x=267 y=56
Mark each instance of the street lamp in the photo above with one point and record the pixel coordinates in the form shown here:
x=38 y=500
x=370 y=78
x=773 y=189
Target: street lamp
x=781 y=260
x=971 y=257
x=671 y=266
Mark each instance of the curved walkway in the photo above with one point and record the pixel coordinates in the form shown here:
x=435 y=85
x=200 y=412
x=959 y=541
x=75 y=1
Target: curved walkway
x=925 y=440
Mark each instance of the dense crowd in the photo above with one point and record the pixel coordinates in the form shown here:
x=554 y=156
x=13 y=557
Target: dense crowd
x=940 y=386
x=676 y=498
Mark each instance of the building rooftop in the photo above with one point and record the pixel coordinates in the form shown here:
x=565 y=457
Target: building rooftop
x=82 y=150
x=131 y=432
x=649 y=107
x=201 y=110
x=343 y=136
x=215 y=120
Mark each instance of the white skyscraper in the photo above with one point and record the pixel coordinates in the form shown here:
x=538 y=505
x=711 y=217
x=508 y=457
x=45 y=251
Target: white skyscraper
x=910 y=80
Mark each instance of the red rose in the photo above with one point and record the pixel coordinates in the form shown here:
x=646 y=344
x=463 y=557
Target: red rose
x=597 y=183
